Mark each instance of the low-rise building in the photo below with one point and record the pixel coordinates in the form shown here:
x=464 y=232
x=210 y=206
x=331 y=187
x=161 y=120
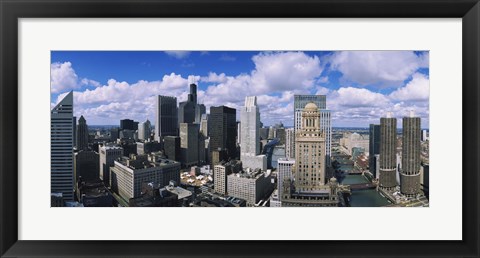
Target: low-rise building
x=252 y=186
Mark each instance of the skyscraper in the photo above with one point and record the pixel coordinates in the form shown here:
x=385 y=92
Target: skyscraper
x=410 y=171
x=250 y=135
x=61 y=140
x=187 y=109
x=128 y=124
x=300 y=101
x=223 y=131
x=189 y=143
x=165 y=117
x=144 y=130
x=82 y=134
x=388 y=139
x=373 y=148
x=309 y=152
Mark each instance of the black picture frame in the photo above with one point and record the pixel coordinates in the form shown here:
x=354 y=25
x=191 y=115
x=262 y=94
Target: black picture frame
x=11 y=11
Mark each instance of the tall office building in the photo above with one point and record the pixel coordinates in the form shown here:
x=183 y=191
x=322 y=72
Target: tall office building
x=223 y=131
x=299 y=102
x=144 y=130
x=187 y=109
x=108 y=154
x=373 y=148
x=290 y=143
x=75 y=131
x=172 y=148
x=410 y=171
x=165 y=117
x=86 y=165
x=204 y=126
x=82 y=134
x=309 y=152
x=189 y=140
x=284 y=172
x=388 y=140
x=199 y=112
x=250 y=135
x=326 y=127
x=61 y=145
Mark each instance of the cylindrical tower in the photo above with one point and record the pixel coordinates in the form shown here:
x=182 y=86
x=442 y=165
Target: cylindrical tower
x=410 y=172
x=388 y=165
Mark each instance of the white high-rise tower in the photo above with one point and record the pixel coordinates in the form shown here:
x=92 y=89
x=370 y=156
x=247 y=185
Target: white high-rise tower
x=250 y=135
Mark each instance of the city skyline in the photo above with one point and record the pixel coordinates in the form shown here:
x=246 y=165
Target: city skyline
x=361 y=86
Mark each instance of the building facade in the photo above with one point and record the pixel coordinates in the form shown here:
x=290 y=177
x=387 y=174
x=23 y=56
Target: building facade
x=290 y=143
x=223 y=131
x=250 y=135
x=309 y=152
x=285 y=167
x=128 y=174
x=388 y=165
x=144 y=130
x=410 y=171
x=189 y=140
x=108 y=154
x=250 y=186
x=373 y=148
x=165 y=117
x=82 y=134
x=61 y=144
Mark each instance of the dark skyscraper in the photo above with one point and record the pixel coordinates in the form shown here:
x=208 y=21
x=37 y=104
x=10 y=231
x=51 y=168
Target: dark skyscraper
x=187 y=109
x=223 y=131
x=172 y=147
x=374 y=148
x=82 y=134
x=61 y=139
x=410 y=172
x=128 y=124
x=74 y=131
x=388 y=164
x=165 y=117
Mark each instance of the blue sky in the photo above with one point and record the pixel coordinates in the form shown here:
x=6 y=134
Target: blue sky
x=361 y=86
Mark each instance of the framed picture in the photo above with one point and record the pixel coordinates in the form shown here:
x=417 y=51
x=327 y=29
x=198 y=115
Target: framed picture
x=302 y=89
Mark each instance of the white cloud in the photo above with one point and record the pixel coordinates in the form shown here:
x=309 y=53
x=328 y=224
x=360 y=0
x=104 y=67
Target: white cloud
x=63 y=77
x=382 y=68
x=178 y=54
x=418 y=89
x=356 y=97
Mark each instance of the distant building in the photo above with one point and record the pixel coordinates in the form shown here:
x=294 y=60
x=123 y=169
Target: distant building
x=187 y=109
x=264 y=131
x=220 y=173
x=166 y=117
x=128 y=174
x=410 y=172
x=252 y=186
x=223 y=131
x=154 y=195
x=388 y=139
x=128 y=124
x=204 y=129
x=61 y=146
x=82 y=134
x=172 y=148
x=114 y=134
x=374 y=147
x=425 y=183
x=144 y=130
x=148 y=147
x=108 y=154
x=284 y=169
